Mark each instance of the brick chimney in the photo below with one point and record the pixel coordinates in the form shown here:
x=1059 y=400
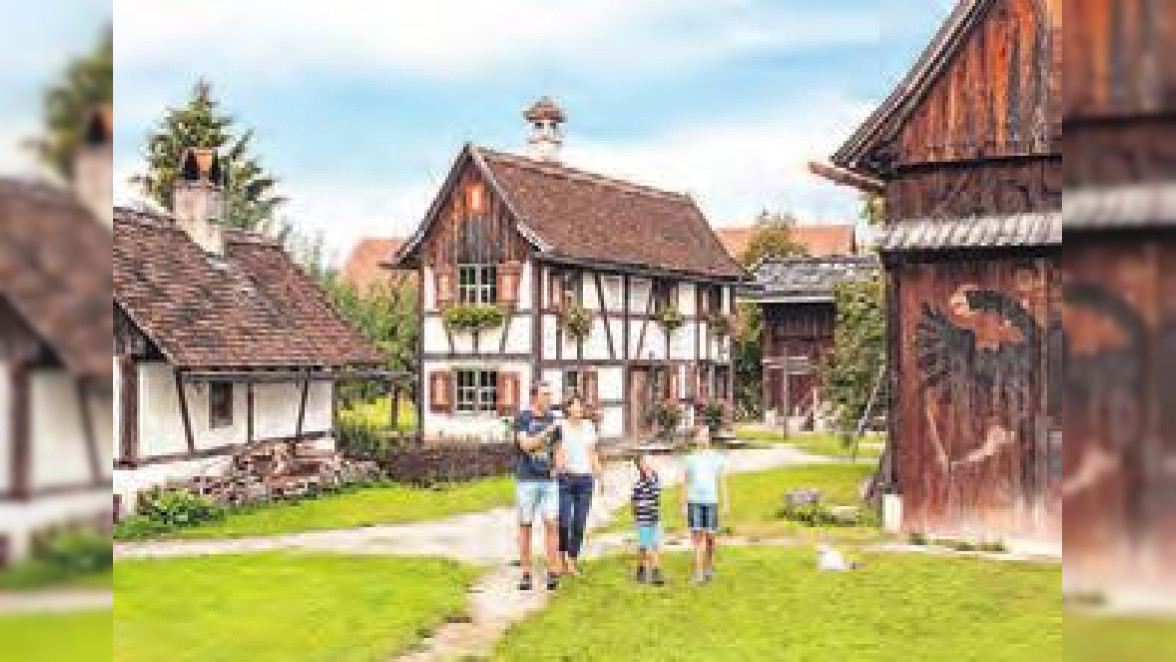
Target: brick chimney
x=93 y=181
x=546 y=139
x=198 y=199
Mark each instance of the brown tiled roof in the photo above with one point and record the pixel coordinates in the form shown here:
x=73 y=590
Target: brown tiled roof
x=252 y=308
x=587 y=217
x=55 y=272
x=825 y=240
x=364 y=266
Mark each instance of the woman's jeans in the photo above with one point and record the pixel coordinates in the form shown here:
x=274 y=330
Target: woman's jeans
x=575 y=498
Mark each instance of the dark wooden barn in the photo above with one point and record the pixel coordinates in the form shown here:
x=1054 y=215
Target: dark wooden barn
x=796 y=297
x=967 y=152
x=1119 y=111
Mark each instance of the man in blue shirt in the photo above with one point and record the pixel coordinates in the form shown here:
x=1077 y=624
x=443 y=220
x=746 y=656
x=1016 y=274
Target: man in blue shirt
x=537 y=490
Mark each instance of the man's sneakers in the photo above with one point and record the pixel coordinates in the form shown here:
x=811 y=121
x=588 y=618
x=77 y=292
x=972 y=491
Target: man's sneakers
x=525 y=582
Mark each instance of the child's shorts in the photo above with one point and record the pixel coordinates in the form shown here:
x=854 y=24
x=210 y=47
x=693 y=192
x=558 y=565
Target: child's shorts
x=648 y=536
x=703 y=517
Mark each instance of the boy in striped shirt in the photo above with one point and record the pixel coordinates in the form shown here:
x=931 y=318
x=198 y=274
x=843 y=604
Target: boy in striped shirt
x=647 y=515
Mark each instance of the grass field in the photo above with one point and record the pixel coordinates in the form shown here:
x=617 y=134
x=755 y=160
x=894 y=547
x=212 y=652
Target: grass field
x=756 y=497
x=281 y=607
x=80 y=637
x=394 y=504
x=830 y=445
x=770 y=604
x=1094 y=639
x=35 y=575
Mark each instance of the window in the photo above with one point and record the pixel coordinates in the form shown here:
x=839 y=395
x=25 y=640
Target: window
x=665 y=295
x=714 y=300
x=477 y=283
x=220 y=405
x=477 y=391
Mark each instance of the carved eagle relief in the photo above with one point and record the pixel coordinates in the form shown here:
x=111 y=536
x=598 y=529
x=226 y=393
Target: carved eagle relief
x=983 y=355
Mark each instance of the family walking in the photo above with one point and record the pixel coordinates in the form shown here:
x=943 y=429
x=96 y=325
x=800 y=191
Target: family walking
x=558 y=471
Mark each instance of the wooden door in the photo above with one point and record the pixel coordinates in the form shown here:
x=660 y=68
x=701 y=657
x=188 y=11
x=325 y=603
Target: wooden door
x=640 y=402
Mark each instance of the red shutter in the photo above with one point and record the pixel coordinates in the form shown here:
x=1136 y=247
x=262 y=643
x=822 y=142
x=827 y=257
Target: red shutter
x=692 y=382
x=508 y=393
x=441 y=392
x=703 y=385
x=509 y=274
x=672 y=385
x=590 y=388
x=443 y=278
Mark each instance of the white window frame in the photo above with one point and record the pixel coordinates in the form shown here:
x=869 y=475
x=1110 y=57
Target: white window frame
x=476 y=391
x=477 y=283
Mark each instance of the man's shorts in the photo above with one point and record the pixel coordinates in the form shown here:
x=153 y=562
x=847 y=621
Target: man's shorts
x=537 y=498
x=703 y=517
x=648 y=536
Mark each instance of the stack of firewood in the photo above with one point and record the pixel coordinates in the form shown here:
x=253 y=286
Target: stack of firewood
x=268 y=471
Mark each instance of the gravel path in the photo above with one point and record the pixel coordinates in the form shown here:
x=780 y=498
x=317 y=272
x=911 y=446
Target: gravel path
x=54 y=602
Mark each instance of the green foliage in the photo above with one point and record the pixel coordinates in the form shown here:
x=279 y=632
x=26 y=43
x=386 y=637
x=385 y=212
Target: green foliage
x=667 y=416
x=81 y=558
x=472 y=318
x=714 y=413
x=670 y=319
x=162 y=510
x=773 y=238
x=251 y=200
x=748 y=355
x=86 y=83
x=388 y=315
x=576 y=321
x=720 y=325
x=873 y=209
x=817 y=514
x=859 y=352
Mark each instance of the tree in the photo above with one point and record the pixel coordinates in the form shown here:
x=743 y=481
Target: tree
x=87 y=83
x=773 y=237
x=858 y=358
x=873 y=209
x=387 y=315
x=748 y=359
x=251 y=201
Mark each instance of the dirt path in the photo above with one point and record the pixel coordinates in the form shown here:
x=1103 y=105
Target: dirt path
x=54 y=602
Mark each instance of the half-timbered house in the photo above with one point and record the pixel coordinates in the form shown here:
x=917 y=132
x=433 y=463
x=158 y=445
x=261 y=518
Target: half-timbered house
x=546 y=244
x=796 y=297
x=55 y=397
x=221 y=340
x=967 y=152
x=1119 y=114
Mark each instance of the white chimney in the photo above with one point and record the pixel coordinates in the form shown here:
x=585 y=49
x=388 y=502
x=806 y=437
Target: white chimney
x=93 y=180
x=198 y=199
x=546 y=139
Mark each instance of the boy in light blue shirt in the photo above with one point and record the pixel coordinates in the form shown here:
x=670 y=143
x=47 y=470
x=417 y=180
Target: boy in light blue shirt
x=706 y=489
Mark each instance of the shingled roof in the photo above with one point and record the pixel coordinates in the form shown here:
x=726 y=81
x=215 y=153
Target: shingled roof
x=580 y=216
x=55 y=273
x=809 y=279
x=253 y=307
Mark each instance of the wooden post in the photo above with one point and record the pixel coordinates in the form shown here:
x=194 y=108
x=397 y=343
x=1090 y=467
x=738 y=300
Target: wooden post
x=249 y=432
x=128 y=371
x=394 y=395
x=22 y=447
x=87 y=419
x=182 y=395
x=302 y=408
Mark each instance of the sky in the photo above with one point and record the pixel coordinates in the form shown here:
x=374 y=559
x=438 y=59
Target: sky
x=360 y=107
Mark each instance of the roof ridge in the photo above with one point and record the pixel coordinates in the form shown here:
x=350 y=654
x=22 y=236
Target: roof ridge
x=577 y=174
x=166 y=220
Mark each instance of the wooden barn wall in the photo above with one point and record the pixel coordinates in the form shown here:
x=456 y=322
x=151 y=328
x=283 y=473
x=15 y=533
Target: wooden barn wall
x=997 y=98
x=1120 y=417
x=978 y=435
x=976 y=189
x=473 y=230
x=1120 y=58
x=796 y=330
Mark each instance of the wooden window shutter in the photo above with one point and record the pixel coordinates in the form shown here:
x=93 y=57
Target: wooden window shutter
x=703 y=390
x=508 y=393
x=555 y=291
x=672 y=384
x=509 y=274
x=441 y=392
x=590 y=388
x=443 y=277
x=692 y=382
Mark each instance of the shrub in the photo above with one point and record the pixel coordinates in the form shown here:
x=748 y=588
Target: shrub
x=806 y=506
x=471 y=318
x=714 y=413
x=80 y=552
x=361 y=441
x=179 y=508
x=668 y=416
x=576 y=321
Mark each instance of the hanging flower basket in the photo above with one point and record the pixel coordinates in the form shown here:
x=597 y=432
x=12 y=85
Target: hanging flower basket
x=670 y=319
x=720 y=325
x=472 y=318
x=576 y=321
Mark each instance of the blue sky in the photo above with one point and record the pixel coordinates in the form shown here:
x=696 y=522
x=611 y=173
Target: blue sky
x=360 y=106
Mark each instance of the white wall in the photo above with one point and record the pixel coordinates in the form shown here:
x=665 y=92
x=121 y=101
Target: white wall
x=485 y=426
x=60 y=448
x=161 y=425
x=20 y=520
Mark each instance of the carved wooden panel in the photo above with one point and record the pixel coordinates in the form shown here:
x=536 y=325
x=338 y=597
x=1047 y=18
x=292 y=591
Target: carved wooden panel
x=1121 y=152
x=981 y=189
x=474 y=226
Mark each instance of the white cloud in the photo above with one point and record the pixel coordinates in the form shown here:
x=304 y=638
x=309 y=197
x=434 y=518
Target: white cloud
x=459 y=37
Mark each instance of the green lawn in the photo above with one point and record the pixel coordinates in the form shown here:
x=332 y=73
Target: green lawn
x=816 y=443
x=756 y=497
x=394 y=504
x=81 y=637
x=770 y=604
x=281 y=607
x=1094 y=639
